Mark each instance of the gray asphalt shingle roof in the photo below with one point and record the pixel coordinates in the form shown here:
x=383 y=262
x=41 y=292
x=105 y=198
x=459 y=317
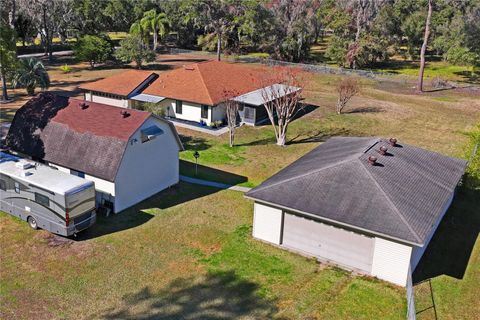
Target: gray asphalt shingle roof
x=402 y=196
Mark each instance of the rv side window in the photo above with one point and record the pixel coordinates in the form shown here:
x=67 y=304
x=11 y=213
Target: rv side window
x=17 y=187
x=3 y=185
x=41 y=199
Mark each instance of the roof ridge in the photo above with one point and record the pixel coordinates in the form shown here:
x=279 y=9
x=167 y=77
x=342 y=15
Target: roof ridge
x=204 y=84
x=351 y=158
x=389 y=201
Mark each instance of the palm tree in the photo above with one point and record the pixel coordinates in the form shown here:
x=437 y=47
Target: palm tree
x=154 y=22
x=30 y=75
x=157 y=23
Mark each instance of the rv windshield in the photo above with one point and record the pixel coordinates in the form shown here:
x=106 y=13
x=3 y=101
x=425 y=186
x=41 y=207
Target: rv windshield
x=80 y=200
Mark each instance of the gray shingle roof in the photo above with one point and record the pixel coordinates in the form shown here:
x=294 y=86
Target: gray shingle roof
x=402 y=196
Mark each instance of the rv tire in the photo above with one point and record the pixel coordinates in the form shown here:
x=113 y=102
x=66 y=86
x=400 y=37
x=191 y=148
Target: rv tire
x=32 y=223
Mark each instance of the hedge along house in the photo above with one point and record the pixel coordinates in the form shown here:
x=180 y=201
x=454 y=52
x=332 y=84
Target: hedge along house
x=130 y=155
x=119 y=90
x=365 y=204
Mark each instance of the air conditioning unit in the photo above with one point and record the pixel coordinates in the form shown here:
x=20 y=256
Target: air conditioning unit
x=24 y=165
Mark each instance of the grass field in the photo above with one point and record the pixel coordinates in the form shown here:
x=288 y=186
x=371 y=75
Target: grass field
x=187 y=252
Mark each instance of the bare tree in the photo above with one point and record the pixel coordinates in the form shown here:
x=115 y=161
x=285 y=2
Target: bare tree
x=424 y=48
x=346 y=89
x=281 y=95
x=231 y=107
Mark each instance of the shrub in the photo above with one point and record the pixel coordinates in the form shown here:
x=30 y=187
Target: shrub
x=93 y=49
x=133 y=48
x=65 y=68
x=346 y=89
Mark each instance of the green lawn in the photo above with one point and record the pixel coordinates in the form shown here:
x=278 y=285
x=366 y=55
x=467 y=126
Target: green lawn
x=185 y=253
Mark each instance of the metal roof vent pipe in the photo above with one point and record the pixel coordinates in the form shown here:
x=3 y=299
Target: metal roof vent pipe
x=383 y=150
x=125 y=114
x=393 y=142
x=83 y=106
x=372 y=160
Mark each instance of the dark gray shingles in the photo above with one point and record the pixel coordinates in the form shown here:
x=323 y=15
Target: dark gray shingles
x=402 y=197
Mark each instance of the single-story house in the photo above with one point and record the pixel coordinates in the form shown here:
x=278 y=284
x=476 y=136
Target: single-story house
x=130 y=155
x=195 y=92
x=365 y=204
x=119 y=89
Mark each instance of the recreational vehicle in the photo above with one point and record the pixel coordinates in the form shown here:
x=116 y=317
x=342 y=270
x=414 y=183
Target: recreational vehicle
x=45 y=197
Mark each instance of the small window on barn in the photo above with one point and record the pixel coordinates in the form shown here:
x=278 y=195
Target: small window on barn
x=178 y=107
x=204 y=112
x=150 y=133
x=3 y=185
x=41 y=199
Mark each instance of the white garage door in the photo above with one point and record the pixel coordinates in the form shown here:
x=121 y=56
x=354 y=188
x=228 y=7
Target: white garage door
x=337 y=245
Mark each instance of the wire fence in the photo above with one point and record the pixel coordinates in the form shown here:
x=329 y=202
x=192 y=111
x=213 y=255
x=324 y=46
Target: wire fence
x=324 y=68
x=315 y=68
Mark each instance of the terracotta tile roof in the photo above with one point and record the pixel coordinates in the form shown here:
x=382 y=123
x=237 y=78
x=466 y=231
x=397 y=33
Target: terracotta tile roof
x=122 y=83
x=206 y=82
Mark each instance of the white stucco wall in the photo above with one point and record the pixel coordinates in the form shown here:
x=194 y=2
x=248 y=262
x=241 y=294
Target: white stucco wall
x=391 y=261
x=267 y=223
x=123 y=103
x=147 y=168
x=190 y=111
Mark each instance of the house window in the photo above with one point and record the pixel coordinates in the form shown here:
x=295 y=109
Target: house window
x=17 y=187
x=204 y=112
x=41 y=199
x=3 y=185
x=178 y=107
x=77 y=173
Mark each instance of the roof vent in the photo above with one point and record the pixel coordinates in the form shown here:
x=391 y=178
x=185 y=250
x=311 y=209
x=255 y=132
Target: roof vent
x=372 y=160
x=83 y=105
x=26 y=173
x=190 y=68
x=393 y=142
x=125 y=114
x=383 y=150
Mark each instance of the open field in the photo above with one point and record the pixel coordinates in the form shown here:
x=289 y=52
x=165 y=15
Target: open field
x=187 y=252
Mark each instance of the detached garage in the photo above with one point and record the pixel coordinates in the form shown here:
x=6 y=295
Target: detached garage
x=365 y=204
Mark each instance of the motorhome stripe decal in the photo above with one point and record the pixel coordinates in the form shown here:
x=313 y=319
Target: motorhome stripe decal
x=49 y=209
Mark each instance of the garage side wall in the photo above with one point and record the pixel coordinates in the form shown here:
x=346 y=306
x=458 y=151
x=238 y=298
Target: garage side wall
x=391 y=261
x=267 y=223
x=419 y=251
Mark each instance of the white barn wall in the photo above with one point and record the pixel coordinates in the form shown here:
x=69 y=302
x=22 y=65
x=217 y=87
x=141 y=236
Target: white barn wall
x=105 y=189
x=147 y=168
x=267 y=223
x=391 y=261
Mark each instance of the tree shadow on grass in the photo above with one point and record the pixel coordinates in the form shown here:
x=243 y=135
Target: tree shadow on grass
x=451 y=247
x=366 y=110
x=219 y=295
x=194 y=143
x=317 y=136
